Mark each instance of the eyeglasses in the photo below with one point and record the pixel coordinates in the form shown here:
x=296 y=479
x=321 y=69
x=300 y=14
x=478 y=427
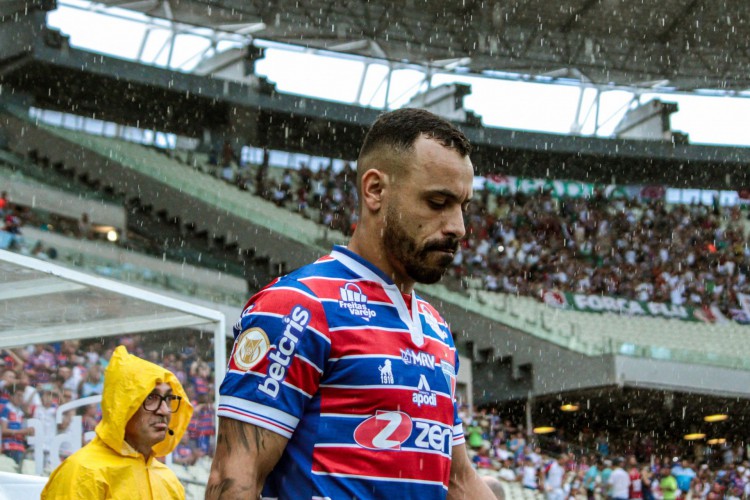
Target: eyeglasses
x=153 y=402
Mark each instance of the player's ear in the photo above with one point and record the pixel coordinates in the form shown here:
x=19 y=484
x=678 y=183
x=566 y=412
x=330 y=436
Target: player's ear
x=374 y=183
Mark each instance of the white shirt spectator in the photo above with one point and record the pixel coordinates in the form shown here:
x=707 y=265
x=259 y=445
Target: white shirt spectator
x=555 y=476
x=483 y=248
x=619 y=481
x=502 y=453
x=507 y=474
x=677 y=295
x=529 y=477
x=630 y=256
x=644 y=291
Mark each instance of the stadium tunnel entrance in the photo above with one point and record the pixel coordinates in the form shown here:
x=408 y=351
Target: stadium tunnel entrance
x=632 y=421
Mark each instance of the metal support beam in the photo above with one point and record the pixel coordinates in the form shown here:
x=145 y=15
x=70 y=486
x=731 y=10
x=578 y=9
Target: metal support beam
x=142 y=47
x=37 y=287
x=220 y=358
x=597 y=102
x=388 y=87
x=94 y=329
x=362 y=82
x=577 y=125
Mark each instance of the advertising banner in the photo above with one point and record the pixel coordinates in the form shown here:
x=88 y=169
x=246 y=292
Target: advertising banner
x=619 y=305
x=506 y=184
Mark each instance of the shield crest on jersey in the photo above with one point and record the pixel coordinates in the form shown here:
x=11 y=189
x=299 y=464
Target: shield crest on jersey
x=449 y=372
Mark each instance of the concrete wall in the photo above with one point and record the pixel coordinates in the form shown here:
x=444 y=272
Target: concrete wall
x=286 y=252
x=116 y=254
x=654 y=374
x=36 y=195
x=510 y=363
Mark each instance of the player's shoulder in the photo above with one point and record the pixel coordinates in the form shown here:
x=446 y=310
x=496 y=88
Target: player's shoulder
x=298 y=289
x=289 y=285
x=318 y=279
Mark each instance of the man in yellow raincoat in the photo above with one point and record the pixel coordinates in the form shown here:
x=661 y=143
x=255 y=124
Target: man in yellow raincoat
x=145 y=412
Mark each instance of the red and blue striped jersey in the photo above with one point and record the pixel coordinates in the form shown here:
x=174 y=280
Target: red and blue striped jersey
x=362 y=384
x=16 y=422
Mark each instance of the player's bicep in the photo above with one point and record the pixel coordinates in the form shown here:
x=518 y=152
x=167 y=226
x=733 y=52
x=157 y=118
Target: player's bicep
x=245 y=455
x=464 y=481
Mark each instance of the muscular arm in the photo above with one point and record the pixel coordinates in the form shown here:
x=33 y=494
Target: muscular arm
x=464 y=482
x=245 y=455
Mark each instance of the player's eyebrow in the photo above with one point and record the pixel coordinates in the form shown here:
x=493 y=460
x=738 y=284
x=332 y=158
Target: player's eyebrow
x=448 y=194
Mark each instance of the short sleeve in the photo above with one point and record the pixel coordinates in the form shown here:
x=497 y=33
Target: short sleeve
x=280 y=349
x=458 y=425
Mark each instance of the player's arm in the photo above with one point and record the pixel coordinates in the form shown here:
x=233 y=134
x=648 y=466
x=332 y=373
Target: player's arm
x=6 y=430
x=245 y=455
x=464 y=481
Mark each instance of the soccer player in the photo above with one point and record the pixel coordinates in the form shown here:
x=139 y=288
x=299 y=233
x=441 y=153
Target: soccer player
x=341 y=381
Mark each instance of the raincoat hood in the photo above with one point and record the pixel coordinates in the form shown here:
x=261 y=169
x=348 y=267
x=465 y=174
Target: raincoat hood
x=127 y=381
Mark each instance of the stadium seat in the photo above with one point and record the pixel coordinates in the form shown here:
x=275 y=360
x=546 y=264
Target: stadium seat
x=7 y=464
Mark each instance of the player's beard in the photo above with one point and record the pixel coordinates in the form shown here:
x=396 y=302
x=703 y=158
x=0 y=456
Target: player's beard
x=420 y=262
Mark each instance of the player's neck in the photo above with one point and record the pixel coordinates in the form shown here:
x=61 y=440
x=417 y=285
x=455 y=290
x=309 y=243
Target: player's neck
x=375 y=253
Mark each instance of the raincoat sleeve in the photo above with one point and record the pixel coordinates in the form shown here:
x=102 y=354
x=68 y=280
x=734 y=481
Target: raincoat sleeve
x=75 y=481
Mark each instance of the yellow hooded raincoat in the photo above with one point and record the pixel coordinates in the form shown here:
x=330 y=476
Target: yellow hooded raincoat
x=108 y=467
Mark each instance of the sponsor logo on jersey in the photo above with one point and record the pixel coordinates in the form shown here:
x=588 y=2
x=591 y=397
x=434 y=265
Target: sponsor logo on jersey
x=419 y=358
x=280 y=358
x=424 y=395
x=250 y=347
x=433 y=437
x=386 y=430
x=386 y=372
x=355 y=301
x=389 y=430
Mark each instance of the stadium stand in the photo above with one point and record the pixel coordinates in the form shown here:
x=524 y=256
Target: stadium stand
x=573 y=330
x=630 y=336
x=199 y=200
x=50 y=221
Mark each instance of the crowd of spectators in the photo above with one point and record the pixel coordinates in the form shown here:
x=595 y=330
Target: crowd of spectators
x=693 y=255
x=13 y=218
x=591 y=469
x=525 y=244
x=326 y=195
x=37 y=379
x=645 y=250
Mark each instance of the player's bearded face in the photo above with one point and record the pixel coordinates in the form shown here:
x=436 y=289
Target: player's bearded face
x=424 y=262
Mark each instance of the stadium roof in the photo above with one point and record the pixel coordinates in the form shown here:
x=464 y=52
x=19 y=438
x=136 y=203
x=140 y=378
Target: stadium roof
x=651 y=44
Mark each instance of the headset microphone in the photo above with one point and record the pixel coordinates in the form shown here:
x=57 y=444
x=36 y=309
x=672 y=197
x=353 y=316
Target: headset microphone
x=171 y=432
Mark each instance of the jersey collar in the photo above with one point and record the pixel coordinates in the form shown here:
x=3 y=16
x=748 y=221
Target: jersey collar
x=368 y=271
x=360 y=265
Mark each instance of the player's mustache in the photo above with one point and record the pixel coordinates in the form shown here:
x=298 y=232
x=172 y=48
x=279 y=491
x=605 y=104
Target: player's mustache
x=445 y=244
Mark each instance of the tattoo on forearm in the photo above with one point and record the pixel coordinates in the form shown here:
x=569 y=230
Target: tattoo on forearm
x=230 y=487
x=216 y=490
x=221 y=439
x=259 y=442
x=238 y=433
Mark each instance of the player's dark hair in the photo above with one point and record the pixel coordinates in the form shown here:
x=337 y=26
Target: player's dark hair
x=401 y=128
